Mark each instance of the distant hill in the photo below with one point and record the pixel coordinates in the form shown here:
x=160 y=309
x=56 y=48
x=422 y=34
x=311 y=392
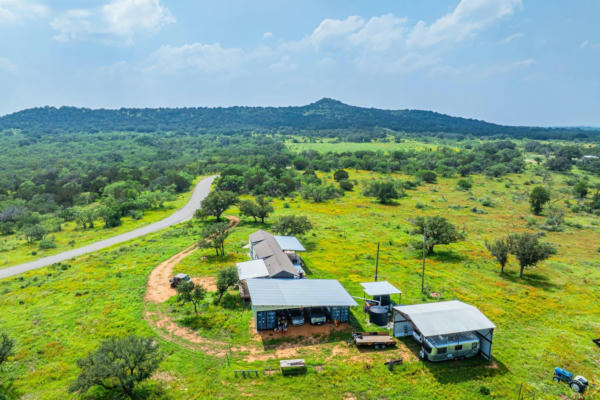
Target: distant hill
x=324 y=117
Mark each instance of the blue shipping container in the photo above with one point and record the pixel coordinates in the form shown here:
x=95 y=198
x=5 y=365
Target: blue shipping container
x=265 y=320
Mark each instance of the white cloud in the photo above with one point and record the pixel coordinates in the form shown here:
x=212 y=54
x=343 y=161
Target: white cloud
x=198 y=57
x=116 y=22
x=332 y=32
x=267 y=35
x=7 y=65
x=512 y=37
x=284 y=63
x=467 y=19
x=380 y=33
x=14 y=10
x=584 y=44
x=385 y=43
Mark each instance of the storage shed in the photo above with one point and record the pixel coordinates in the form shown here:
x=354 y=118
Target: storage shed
x=381 y=292
x=272 y=297
x=446 y=326
x=252 y=269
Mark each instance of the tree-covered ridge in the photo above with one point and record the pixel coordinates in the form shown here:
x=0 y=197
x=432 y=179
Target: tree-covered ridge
x=325 y=117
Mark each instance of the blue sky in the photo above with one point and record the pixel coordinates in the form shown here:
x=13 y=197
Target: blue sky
x=506 y=61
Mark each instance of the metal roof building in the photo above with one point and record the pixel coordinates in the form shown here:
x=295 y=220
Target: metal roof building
x=270 y=297
x=252 y=269
x=264 y=246
x=295 y=293
x=289 y=243
x=380 y=288
x=444 y=318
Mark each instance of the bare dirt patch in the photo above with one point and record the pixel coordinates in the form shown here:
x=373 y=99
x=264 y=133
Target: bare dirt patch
x=163 y=376
x=304 y=331
x=207 y=282
x=159 y=289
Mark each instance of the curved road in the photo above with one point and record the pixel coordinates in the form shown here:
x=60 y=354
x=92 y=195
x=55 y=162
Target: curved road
x=183 y=214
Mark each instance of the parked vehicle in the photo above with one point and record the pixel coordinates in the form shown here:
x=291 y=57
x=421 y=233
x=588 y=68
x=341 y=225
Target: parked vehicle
x=177 y=279
x=296 y=316
x=441 y=348
x=378 y=340
x=578 y=384
x=317 y=315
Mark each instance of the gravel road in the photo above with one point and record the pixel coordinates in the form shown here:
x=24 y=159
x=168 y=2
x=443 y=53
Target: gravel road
x=183 y=214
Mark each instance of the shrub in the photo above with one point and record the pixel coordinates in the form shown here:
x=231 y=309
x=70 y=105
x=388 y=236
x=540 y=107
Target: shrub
x=34 y=233
x=47 y=243
x=427 y=176
x=464 y=184
x=346 y=185
x=340 y=175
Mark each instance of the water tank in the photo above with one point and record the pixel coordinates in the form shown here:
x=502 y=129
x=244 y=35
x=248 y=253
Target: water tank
x=378 y=315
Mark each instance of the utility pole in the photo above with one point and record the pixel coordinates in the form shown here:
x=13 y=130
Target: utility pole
x=423 y=271
x=377 y=262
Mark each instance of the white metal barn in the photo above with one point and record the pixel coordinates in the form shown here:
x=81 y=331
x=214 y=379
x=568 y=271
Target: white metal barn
x=444 y=322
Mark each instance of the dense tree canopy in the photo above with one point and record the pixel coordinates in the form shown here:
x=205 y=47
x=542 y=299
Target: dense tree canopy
x=291 y=225
x=437 y=230
x=118 y=365
x=529 y=250
x=537 y=198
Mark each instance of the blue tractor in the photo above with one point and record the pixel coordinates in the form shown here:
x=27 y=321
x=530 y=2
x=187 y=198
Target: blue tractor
x=578 y=384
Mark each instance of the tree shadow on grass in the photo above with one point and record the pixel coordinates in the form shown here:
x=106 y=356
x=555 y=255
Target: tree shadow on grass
x=532 y=279
x=305 y=335
x=147 y=390
x=213 y=258
x=456 y=371
x=447 y=256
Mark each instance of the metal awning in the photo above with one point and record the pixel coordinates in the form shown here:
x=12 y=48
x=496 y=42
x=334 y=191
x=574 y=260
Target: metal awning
x=289 y=243
x=252 y=269
x=298 y=293
x=445 y=318
x=379 y=288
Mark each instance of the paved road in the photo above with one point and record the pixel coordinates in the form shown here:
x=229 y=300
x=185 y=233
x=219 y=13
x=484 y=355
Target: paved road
x=183 y=214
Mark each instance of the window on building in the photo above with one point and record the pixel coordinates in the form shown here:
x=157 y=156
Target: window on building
x=458 y=347
x=474 y=345
x=426 y=347
x=441 y=350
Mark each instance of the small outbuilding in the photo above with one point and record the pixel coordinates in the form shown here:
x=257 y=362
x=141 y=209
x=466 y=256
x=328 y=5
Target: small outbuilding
x=248 y=270
x=446 y=330
x=381 y=292
x=272 y=299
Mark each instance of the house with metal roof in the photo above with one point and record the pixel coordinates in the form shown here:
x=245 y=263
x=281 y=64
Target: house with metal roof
x=278 y=253
x=446 y=330
x=273 y=298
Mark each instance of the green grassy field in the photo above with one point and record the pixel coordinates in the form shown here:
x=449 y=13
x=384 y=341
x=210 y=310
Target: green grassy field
x=335 y=146
x=14 y=249
x=545 y=320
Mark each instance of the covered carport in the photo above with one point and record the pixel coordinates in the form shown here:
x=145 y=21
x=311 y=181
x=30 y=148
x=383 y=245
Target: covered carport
x=444 y=319
x=271 y=297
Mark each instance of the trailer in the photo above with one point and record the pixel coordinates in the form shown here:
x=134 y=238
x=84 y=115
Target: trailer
x=378 y=340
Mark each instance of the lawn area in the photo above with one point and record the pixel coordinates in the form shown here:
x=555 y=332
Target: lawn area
x=335 y=146
x=58 y=314
x=14 y=249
